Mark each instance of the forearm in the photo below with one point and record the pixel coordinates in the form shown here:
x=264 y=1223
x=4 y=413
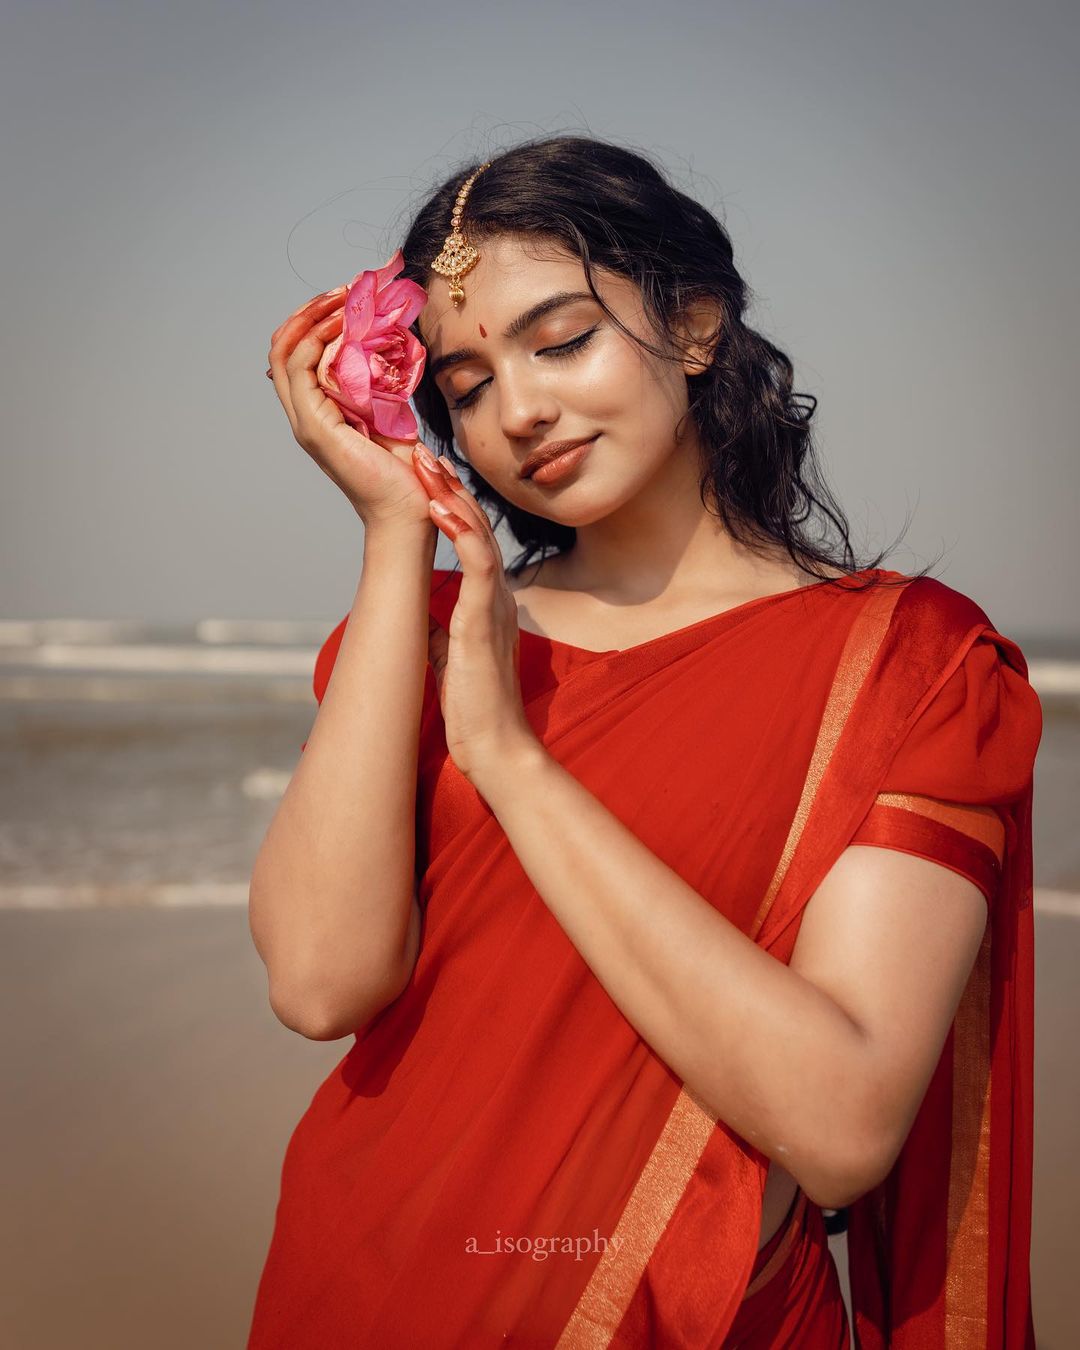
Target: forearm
x=332 y=905
x=765 y=1050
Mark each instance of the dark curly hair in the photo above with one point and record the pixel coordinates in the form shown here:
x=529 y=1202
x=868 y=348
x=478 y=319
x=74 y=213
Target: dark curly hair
x=613 y=208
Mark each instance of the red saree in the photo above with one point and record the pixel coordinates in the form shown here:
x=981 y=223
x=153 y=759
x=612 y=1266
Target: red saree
x=500 y=1159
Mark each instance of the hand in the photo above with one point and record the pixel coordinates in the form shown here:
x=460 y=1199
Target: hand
x=376 y=475
x=477 y=663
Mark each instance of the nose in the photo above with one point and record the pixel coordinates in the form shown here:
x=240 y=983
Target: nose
x=525 y=406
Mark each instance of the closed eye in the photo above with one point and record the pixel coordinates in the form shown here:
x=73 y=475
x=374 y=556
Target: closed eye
x=553 y=353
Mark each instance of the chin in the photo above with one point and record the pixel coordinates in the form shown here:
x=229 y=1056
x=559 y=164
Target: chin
x=573 y=514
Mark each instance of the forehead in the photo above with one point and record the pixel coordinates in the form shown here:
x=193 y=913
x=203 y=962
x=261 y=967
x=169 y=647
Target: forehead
x=511 y=275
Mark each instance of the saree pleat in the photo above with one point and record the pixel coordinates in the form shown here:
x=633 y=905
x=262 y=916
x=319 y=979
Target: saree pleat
x=500 y=1158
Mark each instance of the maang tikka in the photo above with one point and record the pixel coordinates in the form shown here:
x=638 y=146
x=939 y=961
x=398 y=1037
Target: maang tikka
x=458 y=256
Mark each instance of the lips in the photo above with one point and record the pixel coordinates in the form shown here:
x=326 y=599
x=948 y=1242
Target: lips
x=562 y=466
x=547 y=453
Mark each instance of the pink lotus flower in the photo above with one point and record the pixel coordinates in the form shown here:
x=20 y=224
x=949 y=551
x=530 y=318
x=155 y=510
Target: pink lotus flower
x=372 y=367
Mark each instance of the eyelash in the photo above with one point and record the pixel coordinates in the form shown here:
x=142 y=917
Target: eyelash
x=566 y=349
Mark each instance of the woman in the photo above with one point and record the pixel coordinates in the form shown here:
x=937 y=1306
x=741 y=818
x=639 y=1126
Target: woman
x=684 y=890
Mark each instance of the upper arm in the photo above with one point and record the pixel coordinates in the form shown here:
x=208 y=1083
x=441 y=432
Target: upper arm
x=894 y=929
x=892 y=939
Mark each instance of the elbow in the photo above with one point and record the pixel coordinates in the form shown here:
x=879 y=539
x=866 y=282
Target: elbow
x=301 y=1017
x=837 y=1190
x=331 y=1019
x=851 y=1162
x=314 y=1025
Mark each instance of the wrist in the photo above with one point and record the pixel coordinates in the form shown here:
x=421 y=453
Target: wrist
x=521 y=760
x=401 y=538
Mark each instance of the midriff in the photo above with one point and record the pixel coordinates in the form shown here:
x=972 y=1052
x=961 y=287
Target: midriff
x=780 y=1188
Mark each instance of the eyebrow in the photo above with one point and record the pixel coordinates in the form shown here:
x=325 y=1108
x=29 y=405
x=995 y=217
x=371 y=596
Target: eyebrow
x=514 y=329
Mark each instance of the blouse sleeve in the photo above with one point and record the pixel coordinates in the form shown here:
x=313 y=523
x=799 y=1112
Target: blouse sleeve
x=969 y=754
x=324 y=663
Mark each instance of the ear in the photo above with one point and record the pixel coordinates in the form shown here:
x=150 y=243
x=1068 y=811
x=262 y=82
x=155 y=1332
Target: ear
x=699 y=327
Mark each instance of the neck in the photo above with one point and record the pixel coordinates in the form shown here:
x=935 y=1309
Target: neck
x=664 y=542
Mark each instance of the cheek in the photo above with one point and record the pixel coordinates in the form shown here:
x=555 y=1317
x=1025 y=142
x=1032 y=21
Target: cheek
x=607 y=383
x=641 y=402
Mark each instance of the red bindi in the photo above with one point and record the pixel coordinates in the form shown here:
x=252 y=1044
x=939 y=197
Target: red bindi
x=483 y=332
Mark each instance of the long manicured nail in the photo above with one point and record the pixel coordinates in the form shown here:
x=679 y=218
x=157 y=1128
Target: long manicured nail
x=448 y=468
x=449 y=519
x=426 y=458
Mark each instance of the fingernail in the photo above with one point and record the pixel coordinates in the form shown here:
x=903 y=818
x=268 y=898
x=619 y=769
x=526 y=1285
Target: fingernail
x=448 y=519
x=448 y=468
x=426 y=458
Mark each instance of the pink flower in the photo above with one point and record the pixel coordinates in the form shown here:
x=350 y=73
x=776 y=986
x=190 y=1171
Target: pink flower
x=372 y=367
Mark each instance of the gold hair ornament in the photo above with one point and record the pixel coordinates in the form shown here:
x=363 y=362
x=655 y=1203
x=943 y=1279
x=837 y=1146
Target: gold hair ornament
x=458 y=256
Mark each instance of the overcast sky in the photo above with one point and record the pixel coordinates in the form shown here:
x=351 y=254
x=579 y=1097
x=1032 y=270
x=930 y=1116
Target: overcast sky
x=900 y=182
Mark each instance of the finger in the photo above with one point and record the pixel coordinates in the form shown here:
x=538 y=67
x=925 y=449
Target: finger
x=472 y=547
x=285 y=337
x=303 y=395
x=481 y=561
x=309 y=345
x=427 y=470
x=464 y=498
x=294 y=330
x=463 y=505
x=283 y=343
x=482 y=565
x=306 y=310
x=453 y=493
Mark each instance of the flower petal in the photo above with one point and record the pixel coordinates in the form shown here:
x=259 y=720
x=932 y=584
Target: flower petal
x=359 y=309
x=375 y=363
x=354 y=373
x=397 y=301
x=385 y=274
x=323 y=371
x=412 y=367
x=394 y=417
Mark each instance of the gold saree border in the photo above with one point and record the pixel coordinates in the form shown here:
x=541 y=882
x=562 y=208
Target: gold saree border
x=967 y=1269
x=663 y=1180
x=981 y=823
x=657 y=1190
x=860 y=648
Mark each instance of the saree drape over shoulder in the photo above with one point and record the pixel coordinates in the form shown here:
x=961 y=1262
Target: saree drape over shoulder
x=501 y=1160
